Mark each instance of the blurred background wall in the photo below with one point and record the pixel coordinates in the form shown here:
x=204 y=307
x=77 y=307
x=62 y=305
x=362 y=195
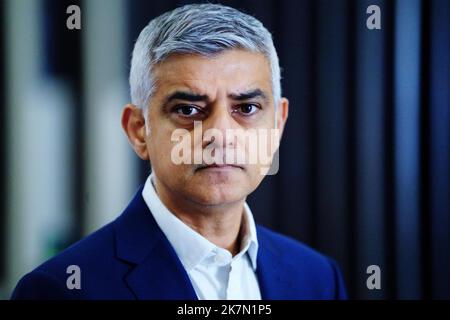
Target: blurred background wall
x=364 y=165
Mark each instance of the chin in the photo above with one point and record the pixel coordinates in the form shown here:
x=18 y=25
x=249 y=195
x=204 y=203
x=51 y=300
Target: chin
x=218 y=194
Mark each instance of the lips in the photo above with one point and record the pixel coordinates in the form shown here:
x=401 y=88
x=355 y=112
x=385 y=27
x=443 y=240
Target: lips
x=219 y=166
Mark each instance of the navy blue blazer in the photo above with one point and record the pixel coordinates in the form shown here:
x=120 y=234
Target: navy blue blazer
x=131 y=258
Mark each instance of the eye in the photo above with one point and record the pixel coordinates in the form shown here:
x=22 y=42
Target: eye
x=187 y=110
x=248 y=108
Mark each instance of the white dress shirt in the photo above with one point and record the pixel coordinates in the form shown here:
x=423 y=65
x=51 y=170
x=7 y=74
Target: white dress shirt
x=213 y=271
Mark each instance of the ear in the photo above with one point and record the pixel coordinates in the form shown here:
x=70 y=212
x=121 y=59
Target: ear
x=133 y=123
x=282 y=114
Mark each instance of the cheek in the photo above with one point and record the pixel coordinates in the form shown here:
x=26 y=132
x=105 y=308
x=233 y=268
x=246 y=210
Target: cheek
x=160 y=145
x=254 y=177
x=271 y=119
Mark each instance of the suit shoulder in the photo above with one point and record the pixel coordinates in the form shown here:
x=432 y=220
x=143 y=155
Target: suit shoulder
x=287 y=245
x=95 y=247
x=39 y=285
x=48 y=281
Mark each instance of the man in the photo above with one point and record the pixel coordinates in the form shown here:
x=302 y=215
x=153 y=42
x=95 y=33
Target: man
x=197 y=73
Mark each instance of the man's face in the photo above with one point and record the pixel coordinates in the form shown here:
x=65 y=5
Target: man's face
x=231 y=90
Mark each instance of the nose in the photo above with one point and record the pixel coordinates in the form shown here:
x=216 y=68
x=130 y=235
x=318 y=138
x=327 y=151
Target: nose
x=216 y=125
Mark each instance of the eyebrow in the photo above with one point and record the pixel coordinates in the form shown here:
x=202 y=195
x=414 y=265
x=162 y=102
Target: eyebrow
x=256 y=93
x=195 y=97
x=188 y=96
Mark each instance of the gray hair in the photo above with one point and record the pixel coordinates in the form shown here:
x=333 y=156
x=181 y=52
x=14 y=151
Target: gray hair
x=204 y=29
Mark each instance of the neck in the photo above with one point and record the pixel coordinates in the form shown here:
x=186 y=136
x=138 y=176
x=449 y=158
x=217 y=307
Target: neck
x=220 y=224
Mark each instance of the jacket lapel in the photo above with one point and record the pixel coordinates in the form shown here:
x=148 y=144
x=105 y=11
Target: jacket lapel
x=160 y=276
x=156 y=272
x=274 y=281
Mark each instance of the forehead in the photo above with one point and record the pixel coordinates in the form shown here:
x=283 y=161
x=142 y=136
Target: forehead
x=230 y=71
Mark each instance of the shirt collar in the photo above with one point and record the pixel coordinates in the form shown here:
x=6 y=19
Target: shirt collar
x=190 y=246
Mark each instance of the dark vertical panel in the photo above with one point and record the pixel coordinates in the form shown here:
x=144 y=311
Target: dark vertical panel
x=295 y=151
x=389 y=274
x=63 y=60
x=407 y=61
x=425 y=151
x=312 y=118
x=3 y=140
x=350 y=268
x=332 y=124
x=370 y=149
x=439 y=146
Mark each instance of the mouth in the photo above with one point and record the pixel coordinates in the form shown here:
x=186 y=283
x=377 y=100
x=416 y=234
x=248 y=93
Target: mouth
x=219 y=167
